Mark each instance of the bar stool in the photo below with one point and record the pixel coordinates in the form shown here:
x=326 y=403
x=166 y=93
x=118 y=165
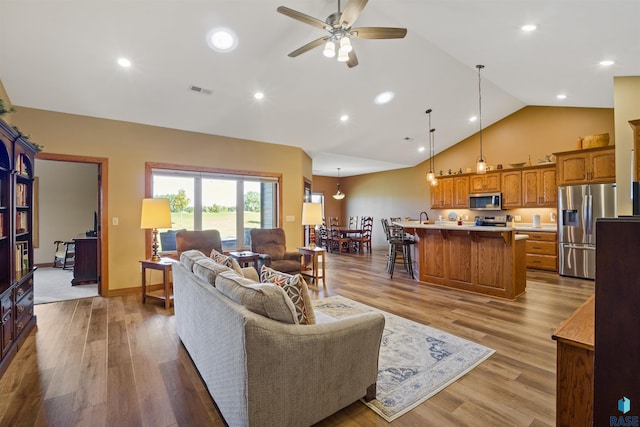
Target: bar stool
x=397 y=238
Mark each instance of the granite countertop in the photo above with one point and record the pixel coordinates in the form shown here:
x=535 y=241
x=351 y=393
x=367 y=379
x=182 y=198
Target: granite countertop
x=470 y=225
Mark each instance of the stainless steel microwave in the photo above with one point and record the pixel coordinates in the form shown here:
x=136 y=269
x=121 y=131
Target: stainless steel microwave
x=485 y=202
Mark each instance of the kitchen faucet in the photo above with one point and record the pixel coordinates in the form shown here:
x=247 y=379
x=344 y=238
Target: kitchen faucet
x=426 y=215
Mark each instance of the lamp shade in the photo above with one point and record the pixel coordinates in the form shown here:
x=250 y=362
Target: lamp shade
x=156 y=213
x=311 y=213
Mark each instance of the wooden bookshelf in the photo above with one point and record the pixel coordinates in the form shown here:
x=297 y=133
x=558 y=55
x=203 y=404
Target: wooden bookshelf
x=17 y=318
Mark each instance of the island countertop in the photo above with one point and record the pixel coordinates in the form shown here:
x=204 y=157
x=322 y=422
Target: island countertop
x=489 y=260
x=470 y=226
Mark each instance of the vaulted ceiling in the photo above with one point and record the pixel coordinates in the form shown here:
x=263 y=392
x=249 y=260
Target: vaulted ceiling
x=62 y=56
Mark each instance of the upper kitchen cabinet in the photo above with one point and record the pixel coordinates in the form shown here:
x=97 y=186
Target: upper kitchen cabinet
x=485 y=183
x=461 y=192
x=511 y=183
x=596 y=165
x=451 y=192
x=539 y=187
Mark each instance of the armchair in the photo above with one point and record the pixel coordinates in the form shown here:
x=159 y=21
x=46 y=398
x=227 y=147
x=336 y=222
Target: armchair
x=271 y=244
x=203 y=240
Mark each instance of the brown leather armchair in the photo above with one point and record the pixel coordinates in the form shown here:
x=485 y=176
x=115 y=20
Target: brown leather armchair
x=203 y=240
x=271 y=244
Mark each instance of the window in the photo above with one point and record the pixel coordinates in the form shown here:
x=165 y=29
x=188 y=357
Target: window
x=231 y=203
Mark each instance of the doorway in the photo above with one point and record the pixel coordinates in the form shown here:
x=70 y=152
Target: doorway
x=89 y=217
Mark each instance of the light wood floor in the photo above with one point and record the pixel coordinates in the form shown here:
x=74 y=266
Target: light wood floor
x=116 y=362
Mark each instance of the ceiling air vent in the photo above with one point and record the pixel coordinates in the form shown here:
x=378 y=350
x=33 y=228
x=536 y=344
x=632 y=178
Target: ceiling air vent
x=200 y=90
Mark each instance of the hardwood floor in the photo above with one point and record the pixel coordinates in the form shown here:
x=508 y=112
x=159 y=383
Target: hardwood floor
x=107 y=362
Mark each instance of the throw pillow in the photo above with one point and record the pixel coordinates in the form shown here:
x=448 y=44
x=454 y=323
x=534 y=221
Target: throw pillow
x=296 y=288
x=226 y=260
x=207 y=269
x=266 y=299
x=188 y=258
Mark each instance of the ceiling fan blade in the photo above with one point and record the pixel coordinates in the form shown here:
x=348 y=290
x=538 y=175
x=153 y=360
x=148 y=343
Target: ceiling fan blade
x=378 y=33
x=351 y=12
x=353 y=59
x=308 y=46
x=302 y=17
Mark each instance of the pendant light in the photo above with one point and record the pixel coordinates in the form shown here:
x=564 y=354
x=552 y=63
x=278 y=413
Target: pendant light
x=339 y=195
x=481 y=163
x=432 y=137
x=430 y=176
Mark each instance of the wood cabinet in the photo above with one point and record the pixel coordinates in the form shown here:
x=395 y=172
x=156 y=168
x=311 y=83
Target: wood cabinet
x=485 y=183
x=16 y=242
x=511 y=183
x=471 y=259
x=542 y=250
x=85 y=266
x=617 y=342
x=575 y=368
x=539 y=187
x=442 y=194
x=635 y=126
x=597 y=165
x=461 y=192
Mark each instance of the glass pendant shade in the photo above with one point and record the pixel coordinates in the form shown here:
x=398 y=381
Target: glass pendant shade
x=345 y=45
x=481 y=165
x=343 y=56
x=434 y=183
x=339 y=194
x=431 y=176
x=329 y=49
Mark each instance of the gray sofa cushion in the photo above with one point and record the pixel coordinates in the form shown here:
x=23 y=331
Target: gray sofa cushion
x=188 y=258
x=207 y=269
x=266 y=299
x=296 y=288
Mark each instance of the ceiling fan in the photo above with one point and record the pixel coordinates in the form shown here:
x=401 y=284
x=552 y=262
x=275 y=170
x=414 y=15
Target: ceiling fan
x=339 y=25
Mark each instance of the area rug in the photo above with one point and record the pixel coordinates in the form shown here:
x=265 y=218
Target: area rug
x=416 y=361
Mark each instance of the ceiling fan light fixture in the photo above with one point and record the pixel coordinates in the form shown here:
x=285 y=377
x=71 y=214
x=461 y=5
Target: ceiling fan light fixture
x=329 y=49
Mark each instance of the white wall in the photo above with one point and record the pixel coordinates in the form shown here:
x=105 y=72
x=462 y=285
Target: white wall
x=68 y=197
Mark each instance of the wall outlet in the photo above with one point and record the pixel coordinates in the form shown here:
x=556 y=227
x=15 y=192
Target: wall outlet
x=466 y=217
x=517 y=218
x=290 y=218
x=115 y=220
x=552 y=216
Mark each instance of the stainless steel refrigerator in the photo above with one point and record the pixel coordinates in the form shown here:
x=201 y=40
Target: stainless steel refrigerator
x=578 y=208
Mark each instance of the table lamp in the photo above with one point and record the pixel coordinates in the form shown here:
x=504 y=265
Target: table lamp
x=312 y=216
x=156 y=213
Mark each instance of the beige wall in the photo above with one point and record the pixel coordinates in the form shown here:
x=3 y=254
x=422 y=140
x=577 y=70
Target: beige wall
x=534 y=131
x=627 y=107
x=128 y=146
x=68 y=197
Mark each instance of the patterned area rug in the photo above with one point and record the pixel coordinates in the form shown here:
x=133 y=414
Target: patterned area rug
x=416 y=361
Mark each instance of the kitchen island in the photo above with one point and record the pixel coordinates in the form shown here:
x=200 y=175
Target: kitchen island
x=482 y=259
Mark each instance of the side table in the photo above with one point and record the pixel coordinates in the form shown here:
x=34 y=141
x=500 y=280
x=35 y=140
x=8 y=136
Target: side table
x=166 y=293
x=245 y=257
x=315 y=254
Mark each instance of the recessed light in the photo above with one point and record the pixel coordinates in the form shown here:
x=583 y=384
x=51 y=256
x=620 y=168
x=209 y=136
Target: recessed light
x=124 y=62
x=473 y=119
x=607 y=63
x=384 y=97
x=421 y=149
x=222 y=40
x=561 y=96
x=258 y=95
x=529 y=27
x=344 y=118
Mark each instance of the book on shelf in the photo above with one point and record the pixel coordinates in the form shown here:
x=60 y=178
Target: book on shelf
x=21 y=166
x=21 y=222
x=1 y=224
x=22 y=258
x=21 y=194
